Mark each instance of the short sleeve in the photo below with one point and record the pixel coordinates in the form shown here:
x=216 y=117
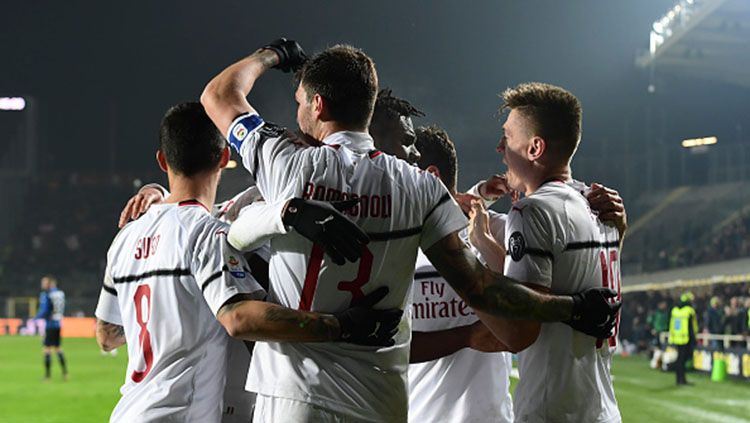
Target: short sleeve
x=221 y=271
x=272 y=154
x=443 y=215
x=108 y=309
x=529 y=240
x=474 y=190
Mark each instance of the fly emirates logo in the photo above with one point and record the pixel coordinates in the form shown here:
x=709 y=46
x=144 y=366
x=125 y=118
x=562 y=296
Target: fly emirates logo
x=438 y=300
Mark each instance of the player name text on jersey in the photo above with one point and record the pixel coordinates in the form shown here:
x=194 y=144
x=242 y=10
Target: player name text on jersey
x=370 y=205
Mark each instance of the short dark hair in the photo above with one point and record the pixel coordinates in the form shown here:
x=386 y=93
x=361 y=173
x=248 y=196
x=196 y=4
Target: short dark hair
x=190 y=142
x=438 y=150
x=346 y=78
x=553 y=112
x=390 y=106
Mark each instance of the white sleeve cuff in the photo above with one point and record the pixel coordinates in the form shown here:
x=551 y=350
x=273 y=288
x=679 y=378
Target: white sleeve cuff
x=256 y=224
x=475 y=192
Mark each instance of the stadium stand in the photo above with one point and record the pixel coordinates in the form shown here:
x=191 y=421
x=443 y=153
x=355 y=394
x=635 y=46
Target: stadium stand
x=688 y=226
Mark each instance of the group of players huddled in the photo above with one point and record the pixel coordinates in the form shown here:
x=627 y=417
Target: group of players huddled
x=353 y=282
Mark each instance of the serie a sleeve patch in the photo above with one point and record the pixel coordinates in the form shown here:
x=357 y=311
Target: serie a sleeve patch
x=241 y=127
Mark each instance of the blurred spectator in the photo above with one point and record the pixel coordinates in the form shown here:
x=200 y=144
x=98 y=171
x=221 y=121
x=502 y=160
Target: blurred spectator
x=713 y=321
x=658 y=321
x=651 y=307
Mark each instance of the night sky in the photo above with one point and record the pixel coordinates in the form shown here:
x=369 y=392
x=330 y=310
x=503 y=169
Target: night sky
x=103 y=73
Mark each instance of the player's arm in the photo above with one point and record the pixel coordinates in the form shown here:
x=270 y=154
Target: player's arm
x=45 y=307
x=428 y=346
x=109 y=335
x=253 y=320
x=516 y=335
x=139 y=203
x=492 y=292
x=497 y=295
x=225 y=96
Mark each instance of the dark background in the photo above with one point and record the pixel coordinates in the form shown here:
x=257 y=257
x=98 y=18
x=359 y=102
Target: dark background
x=103 y=73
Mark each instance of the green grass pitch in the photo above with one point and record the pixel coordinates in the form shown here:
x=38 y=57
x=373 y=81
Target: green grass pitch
x=89 y=395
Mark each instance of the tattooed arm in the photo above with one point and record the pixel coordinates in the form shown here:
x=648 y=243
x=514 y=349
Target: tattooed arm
x=253 y=320
x=490 y=292
x=108 y=335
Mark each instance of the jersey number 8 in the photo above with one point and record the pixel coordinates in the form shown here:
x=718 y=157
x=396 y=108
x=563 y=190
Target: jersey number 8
x=143 y=295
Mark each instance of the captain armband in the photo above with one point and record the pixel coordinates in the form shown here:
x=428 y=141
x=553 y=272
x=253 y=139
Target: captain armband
x=241 y=128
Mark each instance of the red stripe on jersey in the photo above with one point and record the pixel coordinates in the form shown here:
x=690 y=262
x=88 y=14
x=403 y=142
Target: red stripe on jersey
x=311 y=280
x=334 y=146
x=375 y=153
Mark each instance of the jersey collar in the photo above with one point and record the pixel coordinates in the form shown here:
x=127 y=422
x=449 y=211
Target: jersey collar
x=356 y=141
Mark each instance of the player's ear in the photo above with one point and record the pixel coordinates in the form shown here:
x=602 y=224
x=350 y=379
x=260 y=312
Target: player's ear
x=225 y=154
x=536 y=148
x=161 y=160
x=434 y=170
x=318 y=105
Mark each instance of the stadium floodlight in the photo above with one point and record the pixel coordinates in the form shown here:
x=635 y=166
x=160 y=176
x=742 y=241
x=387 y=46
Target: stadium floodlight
x=231 y=164
x=698 y=142
x=12 y=103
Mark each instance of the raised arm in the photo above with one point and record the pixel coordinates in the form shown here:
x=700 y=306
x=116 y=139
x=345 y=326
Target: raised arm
x=225 y=96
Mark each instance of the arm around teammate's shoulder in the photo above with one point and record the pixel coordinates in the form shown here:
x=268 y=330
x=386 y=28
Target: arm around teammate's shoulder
x=491 y=292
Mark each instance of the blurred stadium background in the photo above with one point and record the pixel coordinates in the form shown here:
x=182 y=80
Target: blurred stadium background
x=666 y=94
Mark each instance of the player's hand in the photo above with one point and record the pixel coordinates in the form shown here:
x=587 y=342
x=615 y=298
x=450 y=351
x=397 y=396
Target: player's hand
x=464 y=201
x=594 y=312
x=361 y=324
x=608 y=203
x=482 y=339
x=139 y=204
x=322 y=223
x=479 y=222
x=497 y=186
x=291 y=55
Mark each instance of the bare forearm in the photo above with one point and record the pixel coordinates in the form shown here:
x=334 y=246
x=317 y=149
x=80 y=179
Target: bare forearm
x=261 y=321
x=109 y=336
x=428 y=346
x=492 y=252
x=225 y=95
x=491 y=292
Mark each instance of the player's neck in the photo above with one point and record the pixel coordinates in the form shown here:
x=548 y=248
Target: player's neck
x=331 y=127
x=201 y=188
x=542 y=175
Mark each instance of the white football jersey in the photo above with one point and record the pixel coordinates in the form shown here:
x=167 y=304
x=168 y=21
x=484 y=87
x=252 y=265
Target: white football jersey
x=401 y=207
x=467 y=386
x=554 y=240
x=168 y=273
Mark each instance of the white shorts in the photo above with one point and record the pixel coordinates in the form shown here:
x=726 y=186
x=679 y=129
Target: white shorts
x=283 y=410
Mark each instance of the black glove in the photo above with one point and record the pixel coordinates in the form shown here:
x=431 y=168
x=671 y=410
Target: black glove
x=593 y=314
x=322 y=223
x=362 y=325
x=291 y=55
